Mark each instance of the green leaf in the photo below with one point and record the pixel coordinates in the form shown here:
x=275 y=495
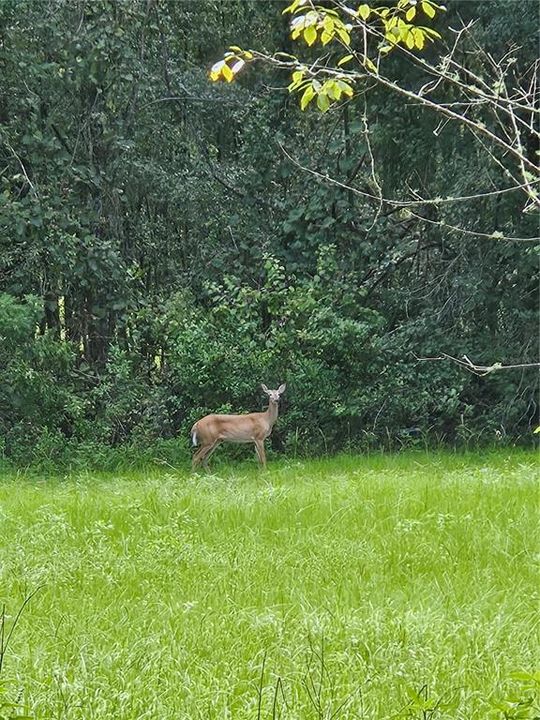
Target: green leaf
x=345 y=59
x=411 y=12
x=345 y=88
x=364 y=11
x=323 y=102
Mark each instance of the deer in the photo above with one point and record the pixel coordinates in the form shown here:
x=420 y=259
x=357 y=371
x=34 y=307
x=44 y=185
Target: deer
x=212 y=430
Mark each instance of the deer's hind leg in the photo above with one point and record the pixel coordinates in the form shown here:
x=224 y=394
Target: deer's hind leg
x=197 y=457
x=209 y=450
x=201 y=456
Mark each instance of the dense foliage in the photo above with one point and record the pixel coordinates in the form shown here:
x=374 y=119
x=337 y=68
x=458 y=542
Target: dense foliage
x=160 y=255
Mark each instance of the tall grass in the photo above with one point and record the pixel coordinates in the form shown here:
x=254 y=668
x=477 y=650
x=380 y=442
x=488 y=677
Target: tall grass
x=381 y=587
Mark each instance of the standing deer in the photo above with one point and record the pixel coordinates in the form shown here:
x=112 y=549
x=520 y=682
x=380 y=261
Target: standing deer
x=211 y=430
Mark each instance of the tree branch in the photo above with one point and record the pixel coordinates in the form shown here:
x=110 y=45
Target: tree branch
x=479 y=370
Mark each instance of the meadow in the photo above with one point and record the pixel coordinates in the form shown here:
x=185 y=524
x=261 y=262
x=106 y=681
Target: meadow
x=397 y=586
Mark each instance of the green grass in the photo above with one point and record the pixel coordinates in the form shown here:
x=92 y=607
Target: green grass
x=318 y=589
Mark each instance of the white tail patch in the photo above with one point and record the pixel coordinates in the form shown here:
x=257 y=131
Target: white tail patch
x=194 y=437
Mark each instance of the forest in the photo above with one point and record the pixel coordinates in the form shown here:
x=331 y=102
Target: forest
x=168 y=243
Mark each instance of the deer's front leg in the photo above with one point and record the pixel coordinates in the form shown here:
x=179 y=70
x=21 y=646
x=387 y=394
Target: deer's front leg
x=259 y=447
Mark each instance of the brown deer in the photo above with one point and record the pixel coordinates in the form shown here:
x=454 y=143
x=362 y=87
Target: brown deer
x=211 y=430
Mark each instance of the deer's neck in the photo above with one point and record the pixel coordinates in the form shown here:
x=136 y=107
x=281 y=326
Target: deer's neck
x=272 y=413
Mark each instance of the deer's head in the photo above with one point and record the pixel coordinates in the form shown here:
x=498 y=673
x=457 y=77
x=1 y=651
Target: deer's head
x=274 y=395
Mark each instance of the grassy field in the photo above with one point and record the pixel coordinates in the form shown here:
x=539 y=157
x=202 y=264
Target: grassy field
x=376 y=588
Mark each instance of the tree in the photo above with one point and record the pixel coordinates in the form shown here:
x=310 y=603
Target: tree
x=494 y=98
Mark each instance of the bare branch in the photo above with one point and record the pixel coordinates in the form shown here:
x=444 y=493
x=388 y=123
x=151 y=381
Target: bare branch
x=479 y=370
x=496 y=235
x=407 y=204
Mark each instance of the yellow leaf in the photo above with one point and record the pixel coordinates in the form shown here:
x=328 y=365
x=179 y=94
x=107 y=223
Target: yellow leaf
x=248 y=55
x=291 y=8
x=345 y=59
x=364 y=11
x=326 y=37
x=310 y=35
x=297 y=76
x=537 y=430
x=227 y=73
x=328 y=24
x=370 y=65
x=410 y=40
x=428 y=9
x=409 y=15
x=344 y=35
x=404 y=30
x=419 y=38
x=307 y=97
x=332 y=89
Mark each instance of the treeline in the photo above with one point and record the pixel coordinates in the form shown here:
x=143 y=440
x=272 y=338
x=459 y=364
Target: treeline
x=161 y=255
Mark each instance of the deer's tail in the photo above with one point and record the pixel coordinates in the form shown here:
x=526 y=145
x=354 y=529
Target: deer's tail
x=194 y=434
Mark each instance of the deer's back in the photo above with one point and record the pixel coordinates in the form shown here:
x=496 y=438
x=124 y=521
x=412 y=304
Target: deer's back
x=234 y=428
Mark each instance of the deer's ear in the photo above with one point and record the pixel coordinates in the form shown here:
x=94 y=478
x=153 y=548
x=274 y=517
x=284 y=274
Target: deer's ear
x=281 y=388
x=266 y=390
